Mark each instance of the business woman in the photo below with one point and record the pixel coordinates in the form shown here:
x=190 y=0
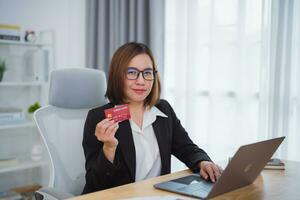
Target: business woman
x=141 y=147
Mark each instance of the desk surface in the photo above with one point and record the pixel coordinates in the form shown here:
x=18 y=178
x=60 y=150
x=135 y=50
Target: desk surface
x=271 y=184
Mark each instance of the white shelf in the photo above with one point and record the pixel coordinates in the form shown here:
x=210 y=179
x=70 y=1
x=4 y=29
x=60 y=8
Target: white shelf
x=18 y=137
x=29 y=164
x=25 y=124
x=19 y=43
x=18 y=84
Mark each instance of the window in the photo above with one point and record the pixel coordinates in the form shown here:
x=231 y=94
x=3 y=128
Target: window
x=212 y=70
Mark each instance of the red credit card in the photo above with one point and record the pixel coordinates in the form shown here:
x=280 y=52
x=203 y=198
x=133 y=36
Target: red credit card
x=119 y=113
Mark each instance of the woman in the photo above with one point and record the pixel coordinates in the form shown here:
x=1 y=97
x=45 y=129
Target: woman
x=141 y=147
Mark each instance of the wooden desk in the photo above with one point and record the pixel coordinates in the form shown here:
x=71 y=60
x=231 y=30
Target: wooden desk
x=271 y=184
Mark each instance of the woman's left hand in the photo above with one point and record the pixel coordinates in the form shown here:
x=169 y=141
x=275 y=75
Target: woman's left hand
x=210 y=170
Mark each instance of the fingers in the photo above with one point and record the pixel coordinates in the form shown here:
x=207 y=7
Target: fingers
x=103 y=125
x=106 y=130
x=112 y=129
x=211 y=170
x=106 y=126
x=203 y=174
x=216 y=171
x=204 y=169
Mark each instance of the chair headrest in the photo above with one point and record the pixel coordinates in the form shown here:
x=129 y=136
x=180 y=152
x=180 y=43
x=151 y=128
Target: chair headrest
x=77 y=88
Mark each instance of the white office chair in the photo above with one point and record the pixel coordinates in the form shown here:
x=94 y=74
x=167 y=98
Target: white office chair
x=72 y=93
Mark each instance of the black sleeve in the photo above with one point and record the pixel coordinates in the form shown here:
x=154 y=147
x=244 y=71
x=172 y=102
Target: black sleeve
x=99 y=170
x=183 y=147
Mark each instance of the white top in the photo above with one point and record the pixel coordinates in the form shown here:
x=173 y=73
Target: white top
x=148 y=162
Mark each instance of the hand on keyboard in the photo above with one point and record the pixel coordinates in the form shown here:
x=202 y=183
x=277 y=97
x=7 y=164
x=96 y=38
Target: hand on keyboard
x=210 y=170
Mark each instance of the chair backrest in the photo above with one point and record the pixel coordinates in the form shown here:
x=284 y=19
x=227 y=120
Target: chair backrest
x=72 y=93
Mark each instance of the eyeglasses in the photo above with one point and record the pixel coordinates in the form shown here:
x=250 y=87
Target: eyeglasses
x=133 y=73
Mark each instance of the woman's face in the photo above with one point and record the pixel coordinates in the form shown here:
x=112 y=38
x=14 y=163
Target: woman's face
x=137 y=90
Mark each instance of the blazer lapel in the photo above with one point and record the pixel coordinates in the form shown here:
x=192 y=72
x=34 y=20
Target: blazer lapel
x=124 y=136
x=161 y=129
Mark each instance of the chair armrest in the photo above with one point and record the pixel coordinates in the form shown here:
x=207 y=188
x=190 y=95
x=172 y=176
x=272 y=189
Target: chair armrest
x=47 y=193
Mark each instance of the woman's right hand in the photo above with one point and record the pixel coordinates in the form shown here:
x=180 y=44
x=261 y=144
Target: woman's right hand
x=105 y=132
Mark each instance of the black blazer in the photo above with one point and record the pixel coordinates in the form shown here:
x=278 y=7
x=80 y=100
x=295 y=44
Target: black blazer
x=171 y=139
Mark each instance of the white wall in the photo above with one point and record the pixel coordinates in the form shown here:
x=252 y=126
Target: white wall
x=65 y=17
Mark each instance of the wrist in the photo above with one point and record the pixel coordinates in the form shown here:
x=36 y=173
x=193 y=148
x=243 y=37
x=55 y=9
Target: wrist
x=109 y=152
x=109 y=147
x=203 y=163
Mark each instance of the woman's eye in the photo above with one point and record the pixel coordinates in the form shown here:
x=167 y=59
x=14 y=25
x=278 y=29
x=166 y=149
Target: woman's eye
x=131 y=72
x=148 y=73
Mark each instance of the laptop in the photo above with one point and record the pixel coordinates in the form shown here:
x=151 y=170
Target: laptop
x=242 y=170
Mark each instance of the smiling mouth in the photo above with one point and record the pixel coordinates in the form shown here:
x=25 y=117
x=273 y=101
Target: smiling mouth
x=139 y=91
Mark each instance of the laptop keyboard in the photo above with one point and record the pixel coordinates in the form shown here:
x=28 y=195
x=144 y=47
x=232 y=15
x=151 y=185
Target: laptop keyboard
x=188 y=179
x=200 y=186
x=193 y=185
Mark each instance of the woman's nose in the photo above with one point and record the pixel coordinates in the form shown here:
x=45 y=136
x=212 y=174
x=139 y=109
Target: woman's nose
x=140 y=79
